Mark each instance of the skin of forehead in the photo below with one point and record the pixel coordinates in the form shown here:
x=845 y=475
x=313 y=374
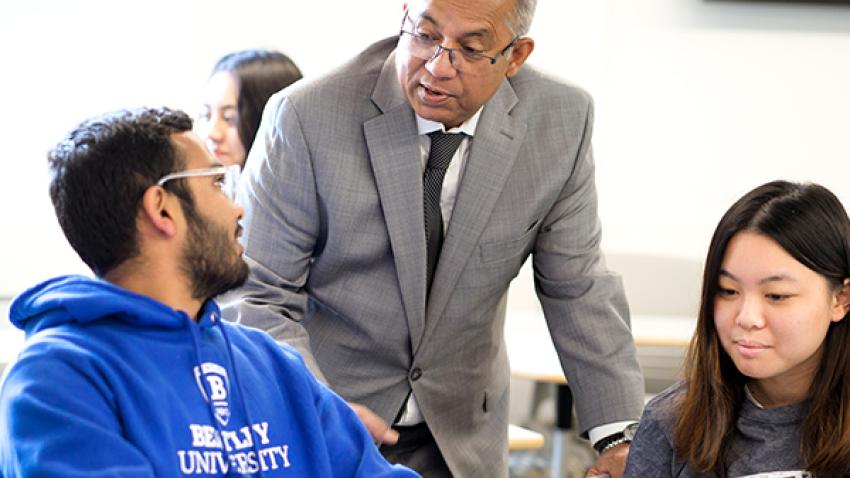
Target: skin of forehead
x=490 y=14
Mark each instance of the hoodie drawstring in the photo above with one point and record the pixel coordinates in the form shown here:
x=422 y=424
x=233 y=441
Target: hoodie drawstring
x=207 y=391
x=217 y=322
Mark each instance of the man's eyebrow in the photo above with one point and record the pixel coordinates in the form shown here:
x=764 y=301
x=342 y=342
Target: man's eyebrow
x=482 y=32
x=429 y=18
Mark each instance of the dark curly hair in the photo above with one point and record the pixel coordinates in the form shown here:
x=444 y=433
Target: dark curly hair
x=100 y=172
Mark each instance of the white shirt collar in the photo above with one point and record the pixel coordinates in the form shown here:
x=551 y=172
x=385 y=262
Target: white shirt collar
x=426 y=126
x=752 y=399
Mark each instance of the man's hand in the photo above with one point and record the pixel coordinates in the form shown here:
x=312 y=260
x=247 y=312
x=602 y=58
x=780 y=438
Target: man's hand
x=378 y=428
x=611 y=463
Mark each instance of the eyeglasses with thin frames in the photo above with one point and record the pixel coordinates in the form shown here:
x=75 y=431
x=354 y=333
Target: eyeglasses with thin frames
x=463 y=59
x=229 y=177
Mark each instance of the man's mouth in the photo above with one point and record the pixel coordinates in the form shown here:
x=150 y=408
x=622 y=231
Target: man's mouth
x=432 y=95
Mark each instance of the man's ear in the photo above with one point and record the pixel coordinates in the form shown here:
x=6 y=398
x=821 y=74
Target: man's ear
x=841 y=302
x=158 y=210
x=520 y=52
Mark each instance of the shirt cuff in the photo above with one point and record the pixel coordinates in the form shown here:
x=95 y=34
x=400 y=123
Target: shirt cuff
x=597 y=433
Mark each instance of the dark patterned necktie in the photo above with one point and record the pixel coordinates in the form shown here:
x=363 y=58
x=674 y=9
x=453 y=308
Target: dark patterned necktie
x=443 y=147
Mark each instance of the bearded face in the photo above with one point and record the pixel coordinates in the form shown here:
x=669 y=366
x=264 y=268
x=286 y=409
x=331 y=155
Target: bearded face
x=210 y=260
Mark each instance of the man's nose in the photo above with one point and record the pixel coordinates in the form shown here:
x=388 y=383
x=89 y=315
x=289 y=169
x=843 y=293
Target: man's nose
x=441 y=65
x=238 y=209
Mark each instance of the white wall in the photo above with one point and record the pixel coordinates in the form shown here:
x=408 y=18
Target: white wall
x=697 y=101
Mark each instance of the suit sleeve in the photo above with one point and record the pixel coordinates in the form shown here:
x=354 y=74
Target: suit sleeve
x=282 y=226
x=58 y=422
x=584 y=304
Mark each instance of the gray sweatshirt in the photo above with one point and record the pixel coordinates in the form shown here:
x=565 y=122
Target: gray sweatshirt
x=766 y=442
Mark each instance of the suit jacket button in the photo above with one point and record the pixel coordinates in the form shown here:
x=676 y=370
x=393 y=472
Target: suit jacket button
x=415 y=374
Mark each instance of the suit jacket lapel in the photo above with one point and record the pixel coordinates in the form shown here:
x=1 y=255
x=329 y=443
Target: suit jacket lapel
x=393 y=142
x=493 y=151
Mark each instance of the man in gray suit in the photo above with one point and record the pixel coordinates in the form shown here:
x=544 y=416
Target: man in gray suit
x=389 y=269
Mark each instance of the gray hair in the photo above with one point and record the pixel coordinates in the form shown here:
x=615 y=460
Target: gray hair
x=519 y=19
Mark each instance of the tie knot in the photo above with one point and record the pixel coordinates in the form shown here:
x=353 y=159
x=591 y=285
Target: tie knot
x=443 y=147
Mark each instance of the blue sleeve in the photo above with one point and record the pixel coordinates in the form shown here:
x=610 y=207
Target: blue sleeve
x=354 y=452
x=58 y=420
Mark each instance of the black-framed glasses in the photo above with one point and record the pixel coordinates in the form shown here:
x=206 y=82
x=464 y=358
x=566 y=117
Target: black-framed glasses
x=463 y=59
x=227 y=180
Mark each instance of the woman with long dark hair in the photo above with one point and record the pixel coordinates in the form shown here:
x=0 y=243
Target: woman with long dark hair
x=766 y=384
x=240 y=85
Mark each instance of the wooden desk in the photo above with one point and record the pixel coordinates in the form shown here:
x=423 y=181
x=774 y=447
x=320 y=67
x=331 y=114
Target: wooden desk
x=520 y=438
x=532 y=356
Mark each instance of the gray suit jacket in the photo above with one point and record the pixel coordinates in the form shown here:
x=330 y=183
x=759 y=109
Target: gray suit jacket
x=335 y=238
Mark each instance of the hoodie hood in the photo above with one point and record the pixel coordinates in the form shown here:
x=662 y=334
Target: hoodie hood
x=75 y=298
x=149 y=392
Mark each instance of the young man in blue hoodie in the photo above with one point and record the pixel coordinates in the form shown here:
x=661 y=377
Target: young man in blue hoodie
x=133 y=374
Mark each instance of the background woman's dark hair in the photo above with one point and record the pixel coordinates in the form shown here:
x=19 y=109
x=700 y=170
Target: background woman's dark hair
x=100 y=172
x=259 y=74
x=811 y=225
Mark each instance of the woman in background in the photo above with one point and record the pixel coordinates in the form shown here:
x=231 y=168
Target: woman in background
x=767 y=375
x=234 y=97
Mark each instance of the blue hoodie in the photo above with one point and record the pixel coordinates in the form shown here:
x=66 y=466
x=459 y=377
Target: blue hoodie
x=113 y=383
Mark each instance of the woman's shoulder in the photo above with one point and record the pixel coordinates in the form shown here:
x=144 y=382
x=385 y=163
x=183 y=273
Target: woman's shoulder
x=652 y=451
x=662 y=407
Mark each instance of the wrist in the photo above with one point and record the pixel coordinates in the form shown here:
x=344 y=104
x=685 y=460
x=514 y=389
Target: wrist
x=610 y=442
x=616 y=439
